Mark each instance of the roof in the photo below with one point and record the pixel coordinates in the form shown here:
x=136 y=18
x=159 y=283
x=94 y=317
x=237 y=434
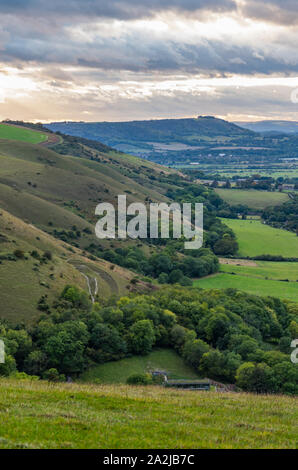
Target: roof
x=189 y=382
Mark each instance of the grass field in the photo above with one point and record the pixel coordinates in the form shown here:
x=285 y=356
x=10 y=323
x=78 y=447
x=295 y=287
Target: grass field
x=161 y=359
x=21 y=134
x=252 y=285
x=255 y=239
x=265 y=269
x=47 y=416
x=252 y=198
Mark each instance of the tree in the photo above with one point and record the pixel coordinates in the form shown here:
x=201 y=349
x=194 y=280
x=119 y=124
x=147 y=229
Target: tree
x=163 y=278
x=175 y=276
x=257 y=378
x=217 y=326
x=220 y=366
x=226 y=246
x=65 y=349
x=8 y=367
x=141 y=337
x=194 y=350
x=35 y=363
x=107 y=342
x=52 y=375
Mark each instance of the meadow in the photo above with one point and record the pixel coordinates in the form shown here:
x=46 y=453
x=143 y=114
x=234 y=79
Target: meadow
x=256 y=238
x=21 y=134
x=252 y=198
x=41 y=415
x=252 y=285
x=159 y=359
x=265 y=269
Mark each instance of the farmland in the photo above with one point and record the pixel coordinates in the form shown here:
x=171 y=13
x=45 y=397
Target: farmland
x=252 y=285
x=256 y=239
x=252 y=198
x=40 y=415
x=21 y=134
x=265 y=269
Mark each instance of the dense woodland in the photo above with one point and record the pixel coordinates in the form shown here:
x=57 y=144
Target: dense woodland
x=225 y=335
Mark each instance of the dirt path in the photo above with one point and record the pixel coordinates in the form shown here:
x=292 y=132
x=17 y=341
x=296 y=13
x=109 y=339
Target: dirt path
x=53 y=139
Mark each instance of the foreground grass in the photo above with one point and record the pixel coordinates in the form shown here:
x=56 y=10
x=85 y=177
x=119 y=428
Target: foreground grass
x=21 y=134
x=160 y=359
x=252 y=285
x=41 y=415
x=255 y=239
x=252 y=198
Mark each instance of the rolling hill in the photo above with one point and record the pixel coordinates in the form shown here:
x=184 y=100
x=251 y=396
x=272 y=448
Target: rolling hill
x=47 y=203
x=141 y=137
x=278 y=127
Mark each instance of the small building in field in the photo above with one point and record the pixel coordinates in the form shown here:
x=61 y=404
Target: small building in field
x=204 y=384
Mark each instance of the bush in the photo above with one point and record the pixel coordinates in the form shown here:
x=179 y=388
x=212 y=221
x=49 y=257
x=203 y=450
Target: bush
x=19 y=254
x=52 y=375
x=139 y=379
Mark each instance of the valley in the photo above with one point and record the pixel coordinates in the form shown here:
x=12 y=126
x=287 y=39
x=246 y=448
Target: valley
x=102 y=314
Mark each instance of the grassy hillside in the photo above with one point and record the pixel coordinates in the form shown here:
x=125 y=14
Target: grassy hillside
x=10 y=132
x=252 y=285
x=119 y=371
x=42 y=415
x=58 y=192
x=252 y=198
x=24 y=281
x=255 y=239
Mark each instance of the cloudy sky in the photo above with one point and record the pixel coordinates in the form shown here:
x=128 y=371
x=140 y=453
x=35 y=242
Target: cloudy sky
x=116 y=60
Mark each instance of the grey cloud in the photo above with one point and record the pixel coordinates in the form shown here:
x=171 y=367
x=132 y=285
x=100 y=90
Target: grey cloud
x=275 y=11
x=141 y=53
x=120 y=9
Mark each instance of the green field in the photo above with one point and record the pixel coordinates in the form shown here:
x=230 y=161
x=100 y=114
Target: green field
x=252 y=285
x=21 y=134
x=40 y=415
x=265 y=269
x=161 y=359
x=256 y=239
x=252 y=198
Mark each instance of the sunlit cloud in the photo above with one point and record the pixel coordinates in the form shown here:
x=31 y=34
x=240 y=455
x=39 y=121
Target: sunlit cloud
x=126 y=60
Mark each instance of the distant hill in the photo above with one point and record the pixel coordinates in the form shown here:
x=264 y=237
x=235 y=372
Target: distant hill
x=201 y=140
x=285 y=127
x=143 y=137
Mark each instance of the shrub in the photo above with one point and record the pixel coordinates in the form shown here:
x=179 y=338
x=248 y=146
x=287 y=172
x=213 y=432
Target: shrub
x=139 y=379
x=19 y=254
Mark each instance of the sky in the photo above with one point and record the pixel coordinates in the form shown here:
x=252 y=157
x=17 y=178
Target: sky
x=122 y=60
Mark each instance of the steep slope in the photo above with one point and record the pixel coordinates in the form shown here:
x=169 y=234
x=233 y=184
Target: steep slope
x=33 y=264
x=58 y=192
